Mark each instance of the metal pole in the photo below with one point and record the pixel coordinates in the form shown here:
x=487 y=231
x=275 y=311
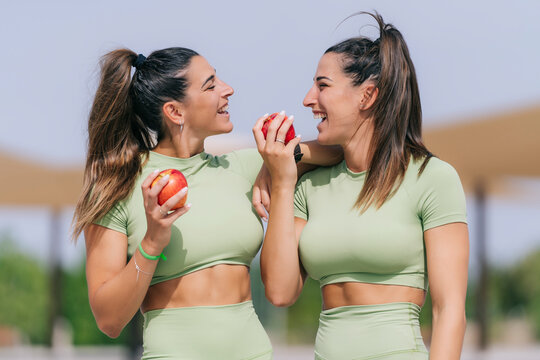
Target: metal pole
x=482 y=290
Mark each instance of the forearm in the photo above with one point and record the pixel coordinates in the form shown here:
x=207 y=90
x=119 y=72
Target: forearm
x=447 y=334
x=280 y=264
x=322 y=155
x=116 y=301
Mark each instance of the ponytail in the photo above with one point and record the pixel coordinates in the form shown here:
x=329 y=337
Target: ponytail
x=125 y=123
x=397 y=111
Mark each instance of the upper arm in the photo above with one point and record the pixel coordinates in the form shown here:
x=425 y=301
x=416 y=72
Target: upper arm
x=106 y=256
x=447 y=252
x=442 y=199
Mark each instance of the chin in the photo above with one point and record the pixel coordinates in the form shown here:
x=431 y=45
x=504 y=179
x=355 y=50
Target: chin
x=228 y=128
x=223 y=130
x=321 y=139
x=324 y=140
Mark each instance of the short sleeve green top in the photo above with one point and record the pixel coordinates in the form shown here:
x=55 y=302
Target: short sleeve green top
x=380 y=246
x=220 y=228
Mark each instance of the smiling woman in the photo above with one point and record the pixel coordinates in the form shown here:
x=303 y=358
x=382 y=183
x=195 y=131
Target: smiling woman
x=371 y=228
x=188 y=272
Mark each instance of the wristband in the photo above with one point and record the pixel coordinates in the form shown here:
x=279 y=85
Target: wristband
x=151 y=257
x=297 y=153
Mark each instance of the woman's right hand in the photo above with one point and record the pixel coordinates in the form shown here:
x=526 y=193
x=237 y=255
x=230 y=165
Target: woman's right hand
x=278 y=157
x=159 y=218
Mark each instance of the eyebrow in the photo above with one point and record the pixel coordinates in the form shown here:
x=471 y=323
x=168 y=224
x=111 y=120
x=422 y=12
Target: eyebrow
x=210 y=78
x=322 y=78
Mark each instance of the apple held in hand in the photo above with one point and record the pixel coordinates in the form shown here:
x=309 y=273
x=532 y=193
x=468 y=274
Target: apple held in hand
x=177 y=182
x=290 y=133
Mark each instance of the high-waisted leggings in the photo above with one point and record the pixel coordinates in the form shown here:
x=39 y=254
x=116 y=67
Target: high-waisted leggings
x=205 y=332
x=387 y=331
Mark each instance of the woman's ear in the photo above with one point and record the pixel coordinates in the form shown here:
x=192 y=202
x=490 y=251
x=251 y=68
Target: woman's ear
x=369 y=95
x=174 y=112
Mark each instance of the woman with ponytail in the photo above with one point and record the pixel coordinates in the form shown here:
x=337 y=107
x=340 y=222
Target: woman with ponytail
x=187 y=271
x=371 y=228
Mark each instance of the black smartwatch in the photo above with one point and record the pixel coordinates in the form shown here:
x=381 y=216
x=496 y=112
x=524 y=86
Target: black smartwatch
x=297 y=153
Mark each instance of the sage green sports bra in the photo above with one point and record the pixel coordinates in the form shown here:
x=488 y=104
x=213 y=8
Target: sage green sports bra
x=379 y=246
x=220 y=228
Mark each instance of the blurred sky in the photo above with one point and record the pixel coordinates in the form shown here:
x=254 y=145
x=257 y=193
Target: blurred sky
x=471 y=58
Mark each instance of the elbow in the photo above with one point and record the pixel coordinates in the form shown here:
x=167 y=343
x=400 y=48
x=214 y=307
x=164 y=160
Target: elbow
x=279 y=298
x=109 y=328
x=280 y=292
x=107 y=322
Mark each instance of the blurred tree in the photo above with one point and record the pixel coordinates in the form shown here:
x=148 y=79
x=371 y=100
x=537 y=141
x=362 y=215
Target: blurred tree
x=76 y=309
x=303 y=316
x=515 y=290
x=425 y=313
x=523 y=288
x=260 y=303
x=24 y=300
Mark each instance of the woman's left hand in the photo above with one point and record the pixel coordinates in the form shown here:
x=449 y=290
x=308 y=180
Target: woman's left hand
x=278 y=157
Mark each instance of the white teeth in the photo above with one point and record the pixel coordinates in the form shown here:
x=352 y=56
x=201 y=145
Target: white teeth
x=319 y=116
x=223 y=109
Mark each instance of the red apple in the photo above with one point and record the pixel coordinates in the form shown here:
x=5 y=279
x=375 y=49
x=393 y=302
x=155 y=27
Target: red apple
x=290 y=133
x=177 y=182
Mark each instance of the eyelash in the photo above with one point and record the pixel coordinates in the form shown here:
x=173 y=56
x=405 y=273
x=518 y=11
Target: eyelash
x=322 y=85
x=211 y=87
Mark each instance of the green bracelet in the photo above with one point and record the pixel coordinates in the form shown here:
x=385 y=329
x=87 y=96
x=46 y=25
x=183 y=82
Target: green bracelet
x=151 y=257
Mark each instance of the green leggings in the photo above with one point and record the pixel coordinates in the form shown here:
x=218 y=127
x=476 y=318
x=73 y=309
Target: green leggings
x=205 y=332
x=387 y=331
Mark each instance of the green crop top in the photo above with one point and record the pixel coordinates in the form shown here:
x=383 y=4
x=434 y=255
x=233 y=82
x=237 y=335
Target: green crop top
x=380 y=246
x=221 y=227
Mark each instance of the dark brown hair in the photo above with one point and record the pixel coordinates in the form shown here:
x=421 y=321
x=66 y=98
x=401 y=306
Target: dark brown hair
x=397 y=112
x=125 y=123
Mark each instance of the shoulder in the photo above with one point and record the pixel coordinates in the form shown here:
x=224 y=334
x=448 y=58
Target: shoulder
x=435 y=170
x=439 y=170
x=439 y=195
x=437 y=176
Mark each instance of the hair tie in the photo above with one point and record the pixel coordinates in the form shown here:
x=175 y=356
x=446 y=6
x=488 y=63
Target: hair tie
x=139 y=60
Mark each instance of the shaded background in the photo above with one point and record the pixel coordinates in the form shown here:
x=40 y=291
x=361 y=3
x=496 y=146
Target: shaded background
x=477 y=66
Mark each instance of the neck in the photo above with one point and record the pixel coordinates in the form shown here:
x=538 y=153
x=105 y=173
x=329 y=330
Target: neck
x=356 y=149
x=181 y=145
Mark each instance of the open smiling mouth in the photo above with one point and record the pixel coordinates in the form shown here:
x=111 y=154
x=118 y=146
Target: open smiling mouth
x=321 y=116
x=223 y=109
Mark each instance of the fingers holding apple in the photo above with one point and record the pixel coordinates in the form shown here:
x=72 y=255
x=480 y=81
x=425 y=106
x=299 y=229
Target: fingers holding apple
x=279 y=126
x=172 y=204
x=276 y=140
x=165 y=191
x=175 y=182
x=286 y=131
x=258 y=134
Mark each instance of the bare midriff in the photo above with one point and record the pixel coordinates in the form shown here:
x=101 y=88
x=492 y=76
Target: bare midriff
x=356 y=293
x=222 y=284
